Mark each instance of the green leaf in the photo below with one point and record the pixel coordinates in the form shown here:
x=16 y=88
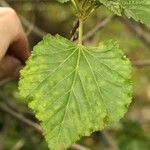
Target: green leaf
x=139 y=10
x=75 y=90
x=63 y=1
x=113 y=5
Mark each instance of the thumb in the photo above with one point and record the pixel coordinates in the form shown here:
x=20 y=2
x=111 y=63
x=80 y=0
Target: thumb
x=9 y=67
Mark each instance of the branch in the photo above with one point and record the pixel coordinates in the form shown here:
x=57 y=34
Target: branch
x=99 y=26
x=140 y=64
x=79 y=147
x=137 y=30
x=19 y=117
x=18 y=145
x=74 y=30
x=110 y=141
x=35 y=29
x=11 y=102
x=31 y=124
x=5 y=81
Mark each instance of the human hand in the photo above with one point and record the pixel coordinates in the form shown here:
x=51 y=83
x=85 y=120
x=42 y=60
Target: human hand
x=13 y=43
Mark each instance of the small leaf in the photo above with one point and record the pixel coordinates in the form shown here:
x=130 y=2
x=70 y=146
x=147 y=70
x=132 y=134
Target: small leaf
x=139 y=10
x=75 y=90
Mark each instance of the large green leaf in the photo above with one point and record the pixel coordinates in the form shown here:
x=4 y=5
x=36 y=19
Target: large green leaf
x=136 y=9
x=75 y=90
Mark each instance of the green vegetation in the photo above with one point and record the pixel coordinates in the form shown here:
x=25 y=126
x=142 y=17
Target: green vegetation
x=75 y=89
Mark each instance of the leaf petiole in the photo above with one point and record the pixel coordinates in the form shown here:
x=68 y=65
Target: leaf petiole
x=80 y=31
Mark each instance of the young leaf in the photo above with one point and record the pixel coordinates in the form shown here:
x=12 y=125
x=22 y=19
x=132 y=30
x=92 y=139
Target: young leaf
x=136 y=9
x=75 y=90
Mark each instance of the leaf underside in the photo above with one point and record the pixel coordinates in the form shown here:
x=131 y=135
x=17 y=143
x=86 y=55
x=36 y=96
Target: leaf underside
x=139 y=10
x=75 y=90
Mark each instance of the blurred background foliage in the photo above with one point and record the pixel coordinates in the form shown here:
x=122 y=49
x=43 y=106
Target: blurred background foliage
x=133 y=131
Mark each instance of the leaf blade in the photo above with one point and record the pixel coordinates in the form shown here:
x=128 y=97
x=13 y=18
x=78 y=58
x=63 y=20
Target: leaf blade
x=136 y=9
x=85 y=80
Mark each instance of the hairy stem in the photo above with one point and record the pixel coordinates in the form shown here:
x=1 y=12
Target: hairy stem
x=85 y=1
x=80 y=31
x=76 y=5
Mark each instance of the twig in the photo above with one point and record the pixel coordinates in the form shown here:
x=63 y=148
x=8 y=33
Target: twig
x=21 y=118
x=110 y=141
x=36 y=30
x=78 y=147
x=73 y=31
x=18 y=145
x=140 y=64
x=30 y=29
x=5 y=81
x=32 y=124
x=137 y=30
x=99 y=26
x=12 y=103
